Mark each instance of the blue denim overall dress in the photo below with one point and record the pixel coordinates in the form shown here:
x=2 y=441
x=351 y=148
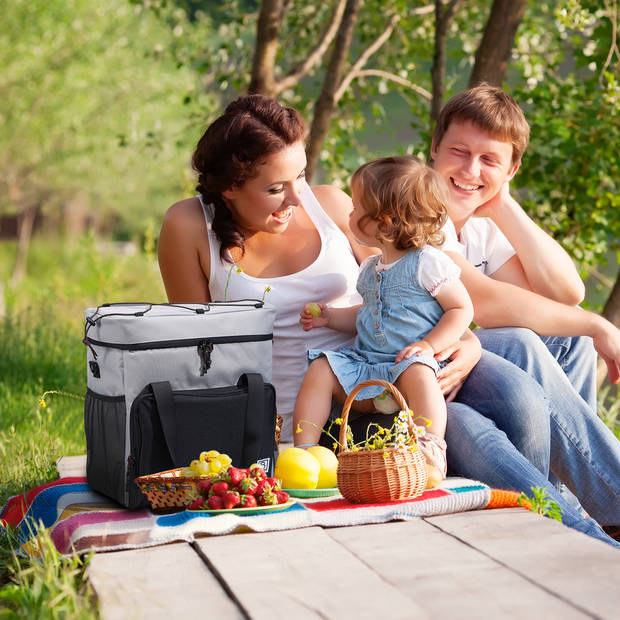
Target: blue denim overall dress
x=397 y=311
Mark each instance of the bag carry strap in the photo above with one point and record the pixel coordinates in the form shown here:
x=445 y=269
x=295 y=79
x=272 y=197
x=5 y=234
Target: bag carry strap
x=167 y=415
x=254 y=417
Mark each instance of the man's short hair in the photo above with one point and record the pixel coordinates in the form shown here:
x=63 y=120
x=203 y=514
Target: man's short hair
x=490 y=109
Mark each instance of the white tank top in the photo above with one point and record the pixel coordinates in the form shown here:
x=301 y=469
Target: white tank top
x=330 y=279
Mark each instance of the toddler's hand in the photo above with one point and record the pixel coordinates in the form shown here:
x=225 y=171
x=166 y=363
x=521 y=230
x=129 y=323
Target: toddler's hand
x=309 y=319
x=421 y=347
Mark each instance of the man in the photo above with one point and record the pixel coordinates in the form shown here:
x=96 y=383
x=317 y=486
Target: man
x=518 y=276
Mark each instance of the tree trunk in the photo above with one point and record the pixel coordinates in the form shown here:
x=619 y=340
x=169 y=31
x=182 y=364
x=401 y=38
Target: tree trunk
x=497 y=41
x=326 y=103
x=75 y=214
x=611 y=312
x=267 y=33
x=24 y=233
x=438 y=70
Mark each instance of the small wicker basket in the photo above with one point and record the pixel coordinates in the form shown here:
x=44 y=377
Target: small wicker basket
x=372 y=476
x=168 y=489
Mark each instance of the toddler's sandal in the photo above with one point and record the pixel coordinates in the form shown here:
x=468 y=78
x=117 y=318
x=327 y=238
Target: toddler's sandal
x=434 y=450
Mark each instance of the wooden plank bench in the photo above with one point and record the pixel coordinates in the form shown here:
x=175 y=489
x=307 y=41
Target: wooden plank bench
x=506 y=563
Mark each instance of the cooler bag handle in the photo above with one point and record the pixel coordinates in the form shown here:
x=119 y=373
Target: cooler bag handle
x=254 y=415
x=167 y=415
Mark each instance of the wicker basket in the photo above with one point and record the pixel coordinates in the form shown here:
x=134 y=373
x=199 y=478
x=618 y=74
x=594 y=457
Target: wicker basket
x=371 y=476
x=168 y=489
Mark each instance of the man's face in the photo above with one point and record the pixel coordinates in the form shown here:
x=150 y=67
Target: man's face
x=474 y=165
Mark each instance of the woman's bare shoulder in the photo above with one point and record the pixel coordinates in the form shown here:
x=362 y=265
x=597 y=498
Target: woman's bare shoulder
x=338 y=206
x=184 y=215
x=183 y=252
x=335 y=203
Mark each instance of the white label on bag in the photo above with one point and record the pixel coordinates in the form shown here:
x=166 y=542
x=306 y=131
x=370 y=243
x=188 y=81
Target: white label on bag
x=264 y=463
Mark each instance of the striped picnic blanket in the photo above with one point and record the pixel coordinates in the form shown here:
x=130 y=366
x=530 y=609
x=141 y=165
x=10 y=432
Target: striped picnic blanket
x=79 y=519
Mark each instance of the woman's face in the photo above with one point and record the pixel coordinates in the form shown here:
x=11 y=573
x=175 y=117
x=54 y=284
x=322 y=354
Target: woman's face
x=266 y=202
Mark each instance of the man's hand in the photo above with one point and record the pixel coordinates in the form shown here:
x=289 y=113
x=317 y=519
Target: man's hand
x=607 y=344
x=309 y=319
x=463 y=356
x=421 y=347
x=490 y=206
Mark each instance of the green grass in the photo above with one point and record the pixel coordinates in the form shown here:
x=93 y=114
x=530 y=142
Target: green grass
x=54 y=587
x=42 y=386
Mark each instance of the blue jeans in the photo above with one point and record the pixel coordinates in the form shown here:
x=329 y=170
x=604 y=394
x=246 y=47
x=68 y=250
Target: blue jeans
x=583 y=452
x=478 y=449
x=576 y=356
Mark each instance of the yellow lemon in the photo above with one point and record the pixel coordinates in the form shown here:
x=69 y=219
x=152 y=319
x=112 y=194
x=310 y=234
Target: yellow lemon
x=297 y=468
x=329 y=465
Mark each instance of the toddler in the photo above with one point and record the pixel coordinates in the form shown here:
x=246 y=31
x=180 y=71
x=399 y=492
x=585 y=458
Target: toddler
x=414 y=305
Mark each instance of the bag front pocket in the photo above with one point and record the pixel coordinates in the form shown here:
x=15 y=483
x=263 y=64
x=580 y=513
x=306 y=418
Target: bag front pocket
x=104 y=424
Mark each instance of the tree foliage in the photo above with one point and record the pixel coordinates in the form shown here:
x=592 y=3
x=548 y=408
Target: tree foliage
x=109 y=99
x=570 y=178
x=92 y=104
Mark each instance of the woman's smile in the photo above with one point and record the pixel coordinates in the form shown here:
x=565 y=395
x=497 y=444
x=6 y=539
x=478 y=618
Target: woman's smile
x=282 y=216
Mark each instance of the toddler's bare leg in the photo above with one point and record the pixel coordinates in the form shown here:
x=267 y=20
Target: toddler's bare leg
x=420 y=388
x=314 y=402
x=421 y=391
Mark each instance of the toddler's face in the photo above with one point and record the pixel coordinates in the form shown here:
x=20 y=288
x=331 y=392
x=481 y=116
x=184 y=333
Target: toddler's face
x=367 y=235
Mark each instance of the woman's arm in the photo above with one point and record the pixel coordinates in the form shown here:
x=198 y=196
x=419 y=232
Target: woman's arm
x=183 y=253
x=338 y=206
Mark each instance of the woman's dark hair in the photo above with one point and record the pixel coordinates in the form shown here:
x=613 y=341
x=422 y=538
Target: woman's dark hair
x=232 y=149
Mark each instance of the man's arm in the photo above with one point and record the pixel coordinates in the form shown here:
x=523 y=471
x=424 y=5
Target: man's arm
x=541 y=264
x=501 y=304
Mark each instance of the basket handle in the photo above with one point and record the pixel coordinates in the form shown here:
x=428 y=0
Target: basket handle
x=400 y=400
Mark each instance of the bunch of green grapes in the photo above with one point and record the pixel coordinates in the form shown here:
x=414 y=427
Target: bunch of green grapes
x=208 y=464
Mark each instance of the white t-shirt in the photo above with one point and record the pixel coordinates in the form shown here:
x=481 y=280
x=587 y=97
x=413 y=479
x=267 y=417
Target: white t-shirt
x=434 y=269
x=481 y=242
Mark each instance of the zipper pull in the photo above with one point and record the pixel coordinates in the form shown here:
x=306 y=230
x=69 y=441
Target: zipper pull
x=204 y=352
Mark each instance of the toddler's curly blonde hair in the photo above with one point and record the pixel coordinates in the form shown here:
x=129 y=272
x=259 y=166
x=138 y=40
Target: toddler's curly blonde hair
x=405 y=197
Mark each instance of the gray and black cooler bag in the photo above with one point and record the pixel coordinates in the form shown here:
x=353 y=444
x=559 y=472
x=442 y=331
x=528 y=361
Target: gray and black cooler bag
x=167 y=381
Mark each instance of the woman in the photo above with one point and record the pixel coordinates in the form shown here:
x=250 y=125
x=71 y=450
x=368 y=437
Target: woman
x=258 y=229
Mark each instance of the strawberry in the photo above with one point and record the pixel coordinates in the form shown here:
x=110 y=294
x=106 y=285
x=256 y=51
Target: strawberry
x=248 y=486
x=219 y=488
x=275 y=483
x=281 y=496
x=267 y=498
x=236 y=475
x=247 y=501
x=204 y=485
x=230 y=499
x=262 y=486
x=215 y=502
x=196 y=504
x=222 y=476
x=257 y=472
